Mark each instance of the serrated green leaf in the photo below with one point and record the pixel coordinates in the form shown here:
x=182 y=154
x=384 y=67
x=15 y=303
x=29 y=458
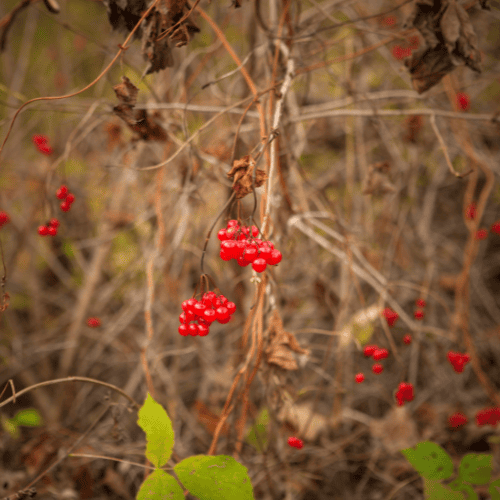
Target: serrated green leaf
x=475 y=468
x=160 y=486
x=434 y=490
x=28 y=417
x=430 y=460
x=215 y=478
x=155 y=422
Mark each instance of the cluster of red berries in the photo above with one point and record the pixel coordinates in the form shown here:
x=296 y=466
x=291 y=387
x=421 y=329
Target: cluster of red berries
x=458 y=360
x=489 y=416
x=42 y=144
x=390 y=315
x=63 y=194
x=93 y=322
x=241 y=243
x=50 y=229
x=4 y=218
x=404 y=393
x=419 y=313
x=203 y=313
x=295 y=442
x=373 y=351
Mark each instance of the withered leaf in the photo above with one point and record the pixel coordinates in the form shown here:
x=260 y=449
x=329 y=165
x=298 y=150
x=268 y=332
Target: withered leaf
x=450 y=41
x=242 y=175
x=282 y=344
x=137 y=119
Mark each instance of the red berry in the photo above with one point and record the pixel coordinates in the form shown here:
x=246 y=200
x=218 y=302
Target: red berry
x=52 y=231
x=404 y=393
x=239 y=248
x=255 y=231
x=390 y=315
x=193 y=329
x=4 y=218
x=259 y=265
x=377 y=368
x=225 y=255
x=54 y=222
x=250 y=253
x=458 y=361
x=189 y=304
x=65 y=206
x=43 y=230
x=369 y=350
x=275 y=257
x=471 y=211
x=203 y=330
x=232 y=223
x=265 y=252
x=222 y=235
x=223 y=299
x=490 y=416
x=199 y=308
x=295 y=442
x=93 y=322
x=242 y=262
x=407 y=339
x=419 y=314
x=70 y=198
x=457 y=420
x=389 y=21
x=359 y=378
x=481 y=234
x=183 y=330
x=221 y=313
x=231 y=307
x=495 y=228
x=463 y=100
x=209 y=315
x=380 y=354
x=62 y=192
x=183 y=318
x=420 y=302
x=400 y=53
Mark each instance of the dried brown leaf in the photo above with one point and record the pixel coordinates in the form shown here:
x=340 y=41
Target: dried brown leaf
x=242 y=175
x=302 y=418
x=282 y=345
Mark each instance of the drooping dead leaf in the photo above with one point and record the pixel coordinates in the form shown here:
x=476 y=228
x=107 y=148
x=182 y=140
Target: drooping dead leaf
x=242 y=175
x=450 y=41
x=300 y=415
x=282 y=344
x=377 y=181
x=396 y=431
x=137 y=119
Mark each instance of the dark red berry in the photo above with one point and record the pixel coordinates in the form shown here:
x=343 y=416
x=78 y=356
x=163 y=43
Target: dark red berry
x=203 y=330
x=52 y=231
x=65 y=206
x=70 y=198
x=62 y=192
x=192 y=329
x=43 y=230
x=359 y=378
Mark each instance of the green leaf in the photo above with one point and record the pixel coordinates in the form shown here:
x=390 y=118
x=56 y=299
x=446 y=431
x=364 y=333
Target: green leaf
x=160 y=486
x=459 y=485
x=430 y=460
x=475 y=468
x=215 y=478
x=257 y=436
x=11 y=427
x=155 y=422
x=434 y=490
x=495 y=495
x=28 y=417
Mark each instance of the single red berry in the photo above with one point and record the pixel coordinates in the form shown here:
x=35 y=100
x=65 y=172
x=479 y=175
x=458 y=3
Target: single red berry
x=259 y=265
x=231 y=307
x=189 y=305
x=39 y=139
x=377 y=368
x=223 y=299
x=224 y=255
x=93 y=322
x=404 y=393
x=420 y=303
x=224 y=321
x=183 y=318
x=62 y=192
x=221 y=314
x=458 y=361
x=495 y=228
x=390 y=315
x=463 y=100
x=183 y=330
x=199 y=308
x=4 y=218
x=457 y=420
x=255 y=231
x=222 y=235
x=265 y=252
x=359 y=378
x=43 y=230
x=407 y=339
x=481 y=234
x=54 y=222
x=250 y=253
x=232 y=223
x=471 y=211
x=419 y=314
x=242 y=262
x=295 y=442
x=380 y=354
x=203 y=330
x=209 y=315
x=369 y=350
x=65 y=206
x=52 y=231
x=70 y=198
x=275 y=258
x=193 y=329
